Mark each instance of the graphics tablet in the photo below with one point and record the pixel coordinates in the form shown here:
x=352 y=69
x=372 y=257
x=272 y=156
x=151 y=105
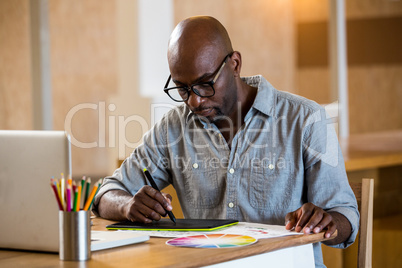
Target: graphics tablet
x=168 y=225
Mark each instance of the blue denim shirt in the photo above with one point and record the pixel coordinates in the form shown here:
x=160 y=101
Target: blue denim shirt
x=285 y=154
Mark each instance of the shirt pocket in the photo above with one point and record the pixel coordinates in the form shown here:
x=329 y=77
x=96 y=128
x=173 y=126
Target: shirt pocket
x=269 y=188
x=201 y=187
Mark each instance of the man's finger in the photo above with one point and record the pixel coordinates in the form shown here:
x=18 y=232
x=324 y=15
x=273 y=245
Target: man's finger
x=325 y=221
x=306 y=212
x=331 y=230
x=168 y=197
x=155 y=206
x=139 y=212
x=158 y=196
x=290 y=220
x=146 y=205
x=315 y=218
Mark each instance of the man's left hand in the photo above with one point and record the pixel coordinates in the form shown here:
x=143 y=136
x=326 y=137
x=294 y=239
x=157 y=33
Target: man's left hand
x=310 y=218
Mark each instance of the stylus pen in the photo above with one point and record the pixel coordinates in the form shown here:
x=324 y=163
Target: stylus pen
x=153 y=184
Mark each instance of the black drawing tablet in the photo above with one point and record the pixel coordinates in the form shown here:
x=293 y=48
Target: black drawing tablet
x=168 y=225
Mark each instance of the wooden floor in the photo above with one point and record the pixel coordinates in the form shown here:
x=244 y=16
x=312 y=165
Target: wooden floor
x=387 y=246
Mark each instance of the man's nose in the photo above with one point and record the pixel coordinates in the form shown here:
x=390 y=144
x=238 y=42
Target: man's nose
x=194 y=100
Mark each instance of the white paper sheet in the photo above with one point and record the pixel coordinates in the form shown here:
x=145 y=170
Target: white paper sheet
x=256 y=230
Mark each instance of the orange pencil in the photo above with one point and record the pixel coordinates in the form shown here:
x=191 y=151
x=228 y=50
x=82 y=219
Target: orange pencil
x=99 y=184
x=91 y=196
x=70 y=181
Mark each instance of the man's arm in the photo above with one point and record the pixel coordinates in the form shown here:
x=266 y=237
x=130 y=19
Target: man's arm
x=326 y=185
x=310 y=218
x=146 y=205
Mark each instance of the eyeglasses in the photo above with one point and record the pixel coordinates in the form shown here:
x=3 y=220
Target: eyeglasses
x=204 y=89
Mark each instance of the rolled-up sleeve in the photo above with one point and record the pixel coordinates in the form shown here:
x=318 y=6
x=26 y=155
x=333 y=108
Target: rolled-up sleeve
x=327 y=183
x=129 y=176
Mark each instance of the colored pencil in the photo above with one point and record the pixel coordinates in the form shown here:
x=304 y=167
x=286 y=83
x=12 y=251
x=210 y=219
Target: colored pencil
x=71 y=194
x=74 y=186
x=99 y=184
x=62 y=189
x=91 y=196
x=57 y=183
x=68 y=196
x=70 y=180
x=88 y=185
x=56 y=194
x=75 y=199
x=78 y=200
x=83 y=182
x=58 y=186
x=82 y=186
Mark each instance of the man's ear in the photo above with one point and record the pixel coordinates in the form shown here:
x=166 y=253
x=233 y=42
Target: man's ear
x=235 y=63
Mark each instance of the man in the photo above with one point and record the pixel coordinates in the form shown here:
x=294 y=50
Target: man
x=237 y=148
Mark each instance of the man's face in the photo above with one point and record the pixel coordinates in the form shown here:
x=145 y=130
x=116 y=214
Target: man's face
x=201 y=69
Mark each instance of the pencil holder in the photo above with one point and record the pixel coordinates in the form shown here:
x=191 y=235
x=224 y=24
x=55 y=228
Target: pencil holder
x=75 y=235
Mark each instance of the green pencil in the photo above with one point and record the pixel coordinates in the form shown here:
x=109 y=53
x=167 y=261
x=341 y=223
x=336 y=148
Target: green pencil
x=82 y=189
x=75 y=199
x=82 y=182
x=88 y=184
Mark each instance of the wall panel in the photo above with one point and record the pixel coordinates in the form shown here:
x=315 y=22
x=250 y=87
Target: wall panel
x=374 y=61
x=373 y=8
x=83 y=71
x=375 y=95
x=15 y=65
x=127 y=98
x=313 y=83
x=263 y=31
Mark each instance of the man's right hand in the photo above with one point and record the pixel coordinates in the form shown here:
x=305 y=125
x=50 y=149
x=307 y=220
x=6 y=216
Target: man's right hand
x=146 y=205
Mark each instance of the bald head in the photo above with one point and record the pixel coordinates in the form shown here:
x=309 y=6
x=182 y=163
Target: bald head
x=195 y=38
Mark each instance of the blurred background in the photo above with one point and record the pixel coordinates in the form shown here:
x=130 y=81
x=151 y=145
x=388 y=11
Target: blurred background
x=96 y=69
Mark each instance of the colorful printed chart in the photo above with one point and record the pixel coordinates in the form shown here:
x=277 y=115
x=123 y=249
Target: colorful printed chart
x=212 y=241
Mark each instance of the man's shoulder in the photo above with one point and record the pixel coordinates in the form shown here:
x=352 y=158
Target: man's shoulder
x=293 y=100
x=277 y=102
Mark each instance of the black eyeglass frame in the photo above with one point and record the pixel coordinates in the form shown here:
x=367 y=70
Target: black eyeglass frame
x=210 y=83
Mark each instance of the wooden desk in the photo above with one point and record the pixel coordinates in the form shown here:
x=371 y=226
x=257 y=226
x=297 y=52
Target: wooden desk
x=154 y=253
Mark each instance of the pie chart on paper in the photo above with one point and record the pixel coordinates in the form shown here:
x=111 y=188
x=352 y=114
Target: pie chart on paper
x=212 y=241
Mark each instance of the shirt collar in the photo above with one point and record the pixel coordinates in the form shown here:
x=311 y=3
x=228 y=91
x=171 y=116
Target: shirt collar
x=265 y=100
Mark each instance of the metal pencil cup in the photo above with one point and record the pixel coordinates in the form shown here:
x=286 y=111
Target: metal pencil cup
x=75 y=235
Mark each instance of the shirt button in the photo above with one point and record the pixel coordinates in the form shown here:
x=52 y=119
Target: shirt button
x=220 y=136
x=271 y=166
x=231 y=205
x=195 y=165
x=231 y=171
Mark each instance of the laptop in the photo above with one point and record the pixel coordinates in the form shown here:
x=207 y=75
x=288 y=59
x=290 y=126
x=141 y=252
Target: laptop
x=29 y=211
